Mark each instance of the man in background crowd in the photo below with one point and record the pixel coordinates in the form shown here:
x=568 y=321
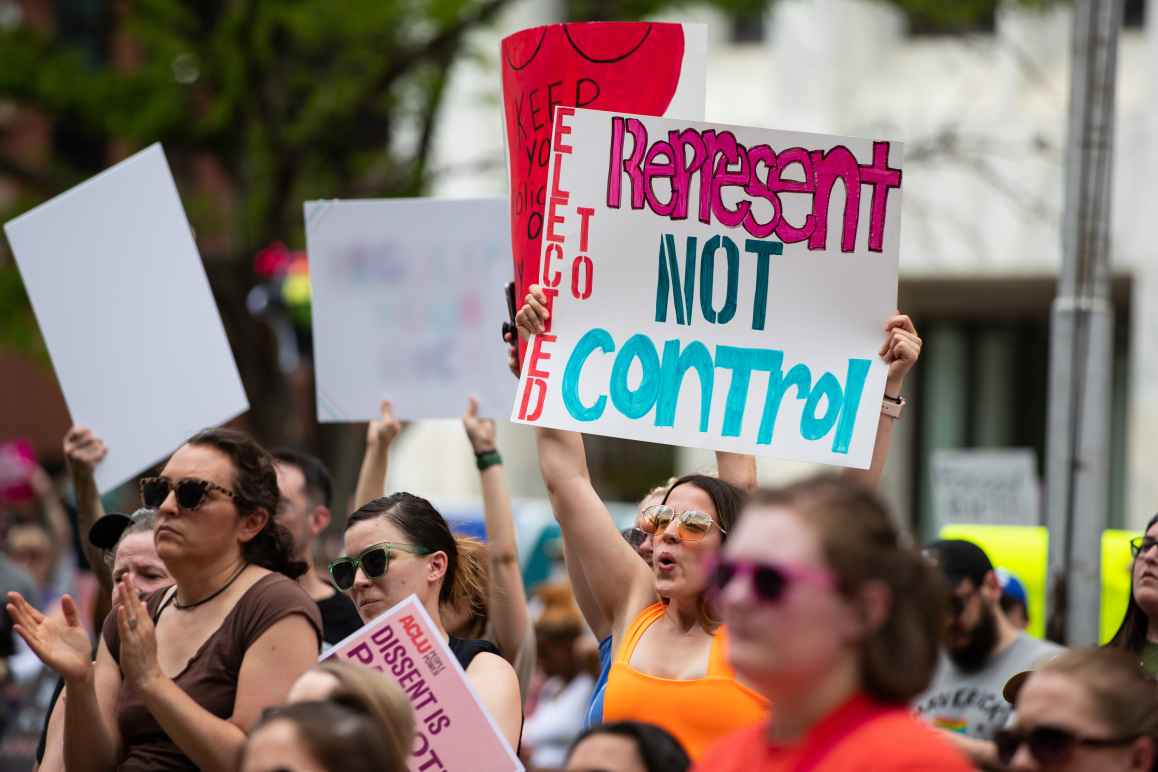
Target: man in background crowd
x=306 y=489
x=983 y=649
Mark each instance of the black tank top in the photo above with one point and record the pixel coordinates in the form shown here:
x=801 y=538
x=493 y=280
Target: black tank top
x=466 y=649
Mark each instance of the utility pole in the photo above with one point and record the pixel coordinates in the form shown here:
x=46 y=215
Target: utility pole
x=1081 y=345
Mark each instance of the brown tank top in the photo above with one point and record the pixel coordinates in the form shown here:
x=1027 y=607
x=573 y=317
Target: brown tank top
x=210 y=677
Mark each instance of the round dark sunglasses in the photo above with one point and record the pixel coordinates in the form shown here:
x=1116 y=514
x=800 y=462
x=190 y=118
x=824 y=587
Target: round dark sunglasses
x=374 y=561
x=189 y=491
x=1049 y=744
x=1140 y=545
x=769 y=581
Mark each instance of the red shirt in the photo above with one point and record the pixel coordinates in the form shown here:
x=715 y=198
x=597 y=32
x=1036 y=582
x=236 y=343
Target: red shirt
x=860 y=735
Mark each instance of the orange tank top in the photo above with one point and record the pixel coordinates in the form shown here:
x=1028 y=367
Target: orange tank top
x=697 y=712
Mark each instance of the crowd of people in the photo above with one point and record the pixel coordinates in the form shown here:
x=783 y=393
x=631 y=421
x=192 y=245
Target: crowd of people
x=731 y=628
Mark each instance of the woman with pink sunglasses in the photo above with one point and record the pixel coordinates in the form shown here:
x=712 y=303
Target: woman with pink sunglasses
x=836 y=623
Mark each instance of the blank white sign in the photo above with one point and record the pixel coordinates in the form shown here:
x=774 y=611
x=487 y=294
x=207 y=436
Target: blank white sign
x=124 y=305
x=408 y=305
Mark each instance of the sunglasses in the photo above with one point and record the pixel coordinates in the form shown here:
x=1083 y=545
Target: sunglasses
x=1141 y=545
x=634 y=537
x=190 y=492
x=1048 y=744
x=373 y=561
x=692 y=525
x=770 y=582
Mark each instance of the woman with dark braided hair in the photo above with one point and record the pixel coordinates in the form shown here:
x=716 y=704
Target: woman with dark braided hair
x=182 y=675
x=1138 y=633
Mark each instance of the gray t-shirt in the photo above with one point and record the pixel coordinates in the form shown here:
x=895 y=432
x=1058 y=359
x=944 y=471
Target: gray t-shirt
x=971 y=703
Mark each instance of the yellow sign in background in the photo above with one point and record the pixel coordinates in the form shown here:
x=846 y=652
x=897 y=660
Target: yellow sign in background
x=1024 y=552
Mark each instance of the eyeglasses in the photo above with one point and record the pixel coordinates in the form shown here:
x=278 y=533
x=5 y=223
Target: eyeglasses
x=1140 y=545
x=190 y=491
x=692 y=525
x=373 y=561
x=1048 y=744
x=770 y=582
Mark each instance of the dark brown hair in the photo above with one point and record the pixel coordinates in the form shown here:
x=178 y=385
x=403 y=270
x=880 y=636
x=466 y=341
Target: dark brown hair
x=1135 y=626
x=727 y=500
x=861 y=544
x=255 y=490
x=338 y=735
x=423 y=525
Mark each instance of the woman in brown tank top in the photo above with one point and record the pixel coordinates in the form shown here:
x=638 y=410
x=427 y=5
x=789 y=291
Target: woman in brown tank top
x=180 y=678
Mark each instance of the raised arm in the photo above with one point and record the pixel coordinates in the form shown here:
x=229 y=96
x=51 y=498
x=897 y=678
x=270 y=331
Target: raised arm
x=584 y=598
x=739 y=469
x=901 y=349
x=372 y=476
x=507 y=601
x=83 y=450
x=620 y=582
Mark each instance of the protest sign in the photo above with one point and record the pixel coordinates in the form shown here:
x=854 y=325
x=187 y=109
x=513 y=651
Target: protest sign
x=986 y=485
x=407 y=306
x=454 y=731
x=715 y=286
x=125 y=308
x=648 y=68
x=1023 y=551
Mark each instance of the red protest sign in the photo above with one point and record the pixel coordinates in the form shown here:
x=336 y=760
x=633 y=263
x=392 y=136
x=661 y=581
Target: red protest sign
x=645 y=68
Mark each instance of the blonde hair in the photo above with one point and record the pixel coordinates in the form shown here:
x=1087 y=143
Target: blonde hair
x=471 y=586
x=382 y=699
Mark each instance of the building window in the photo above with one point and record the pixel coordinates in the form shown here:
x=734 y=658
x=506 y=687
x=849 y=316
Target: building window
x=748 y=27
x=1134 y=14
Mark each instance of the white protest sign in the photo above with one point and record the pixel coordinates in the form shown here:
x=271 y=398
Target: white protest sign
x=715 y=286
x=996 y=486
x=408 y=304
x=454 y=730
x=124 y=305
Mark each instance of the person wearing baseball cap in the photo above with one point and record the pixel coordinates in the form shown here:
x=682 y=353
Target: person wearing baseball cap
x=982 y=650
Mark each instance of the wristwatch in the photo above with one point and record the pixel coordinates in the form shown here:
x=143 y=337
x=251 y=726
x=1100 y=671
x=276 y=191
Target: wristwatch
x=892 y=406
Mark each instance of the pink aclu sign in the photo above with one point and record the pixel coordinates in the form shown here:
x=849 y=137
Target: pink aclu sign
x=454 y=730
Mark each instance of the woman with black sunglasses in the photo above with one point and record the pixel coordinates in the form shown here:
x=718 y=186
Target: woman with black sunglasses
x=182 y=676
x=1138 y=633
x=1087 y=710
x=400 y=545
x=837 y=624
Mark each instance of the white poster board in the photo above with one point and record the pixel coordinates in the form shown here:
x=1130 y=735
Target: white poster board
x=715 y=286
x=125 y=308
x=408 y=302
x=991 y=486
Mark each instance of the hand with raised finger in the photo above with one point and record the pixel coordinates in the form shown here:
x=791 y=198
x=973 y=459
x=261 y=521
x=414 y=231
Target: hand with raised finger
x=138 y=655
x=60 y=642
x=382 y=432
x=901 y=350
x=83 y=450
x=480 y=431
x=532 y=317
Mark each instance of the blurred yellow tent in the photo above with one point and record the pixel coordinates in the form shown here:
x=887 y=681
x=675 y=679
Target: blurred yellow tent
x=1024 y=552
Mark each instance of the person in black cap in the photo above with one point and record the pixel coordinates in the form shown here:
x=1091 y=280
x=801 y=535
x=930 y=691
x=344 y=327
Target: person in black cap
x=305 y=488
x=982 y=650
x=125 y=546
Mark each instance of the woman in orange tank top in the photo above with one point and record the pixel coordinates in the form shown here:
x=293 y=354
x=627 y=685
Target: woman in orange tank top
x=669 y=666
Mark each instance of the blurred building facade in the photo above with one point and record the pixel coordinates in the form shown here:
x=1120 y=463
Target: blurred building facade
x=983 y=118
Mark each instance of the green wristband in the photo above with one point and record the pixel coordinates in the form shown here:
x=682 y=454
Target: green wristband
x=487 y=459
